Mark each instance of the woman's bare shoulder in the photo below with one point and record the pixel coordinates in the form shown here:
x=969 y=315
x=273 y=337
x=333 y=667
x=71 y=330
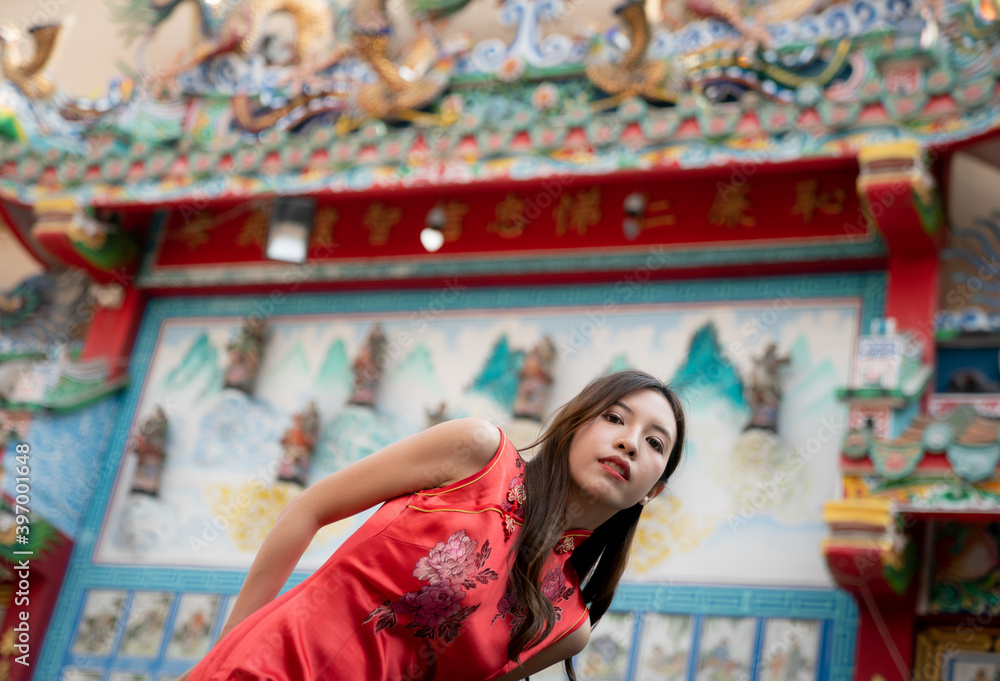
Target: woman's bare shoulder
x=469 y=445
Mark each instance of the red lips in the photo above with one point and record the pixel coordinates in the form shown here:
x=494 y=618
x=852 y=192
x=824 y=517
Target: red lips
x=620 y=462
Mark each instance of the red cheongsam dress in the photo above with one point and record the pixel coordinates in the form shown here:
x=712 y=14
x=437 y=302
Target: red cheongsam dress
x=419 y=592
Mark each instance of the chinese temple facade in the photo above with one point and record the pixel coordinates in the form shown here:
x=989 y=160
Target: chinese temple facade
x=288 y=249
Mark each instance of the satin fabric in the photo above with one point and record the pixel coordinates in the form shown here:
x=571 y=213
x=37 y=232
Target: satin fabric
x=419 y=592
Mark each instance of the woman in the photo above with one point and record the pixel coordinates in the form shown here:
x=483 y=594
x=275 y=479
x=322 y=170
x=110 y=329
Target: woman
x=471 y=570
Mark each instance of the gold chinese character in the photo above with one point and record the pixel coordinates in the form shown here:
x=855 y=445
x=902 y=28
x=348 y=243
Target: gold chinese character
x=730 y=207
x=194 y=231
x=510 y=220
x=579 y=212
x=322 y=236
x=808 y=199
x=454 y=212
x=656 y=220
x=379 y=220
x=254 y=230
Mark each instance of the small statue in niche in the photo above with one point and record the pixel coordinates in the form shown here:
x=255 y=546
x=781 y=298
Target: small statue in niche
x=764 y=389
x=245 y=353
x=436 y=417
x=152 y=451
x=298 y=443
x=535 y=381
x=368 y=367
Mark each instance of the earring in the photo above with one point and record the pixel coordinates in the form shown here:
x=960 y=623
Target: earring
x=645 y=500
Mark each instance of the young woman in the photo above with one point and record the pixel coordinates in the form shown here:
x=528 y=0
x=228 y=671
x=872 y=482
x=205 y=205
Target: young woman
x=471 y=570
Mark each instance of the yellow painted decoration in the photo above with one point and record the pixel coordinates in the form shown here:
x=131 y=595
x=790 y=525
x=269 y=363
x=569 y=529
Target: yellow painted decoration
x=664 y=529
x=876 y=513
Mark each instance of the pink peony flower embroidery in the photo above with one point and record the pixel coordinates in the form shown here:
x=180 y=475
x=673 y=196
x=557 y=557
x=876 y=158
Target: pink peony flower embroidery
x=452 y=567
x=452 y=561
x=432 y=605
x=554 y=584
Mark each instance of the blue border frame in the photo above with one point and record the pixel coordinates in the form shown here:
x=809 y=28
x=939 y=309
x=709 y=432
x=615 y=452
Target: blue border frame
x=835 y=609
x=678 y=257
x=82 y=574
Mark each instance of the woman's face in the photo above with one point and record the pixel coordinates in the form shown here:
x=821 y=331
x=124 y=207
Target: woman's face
x=618 y=457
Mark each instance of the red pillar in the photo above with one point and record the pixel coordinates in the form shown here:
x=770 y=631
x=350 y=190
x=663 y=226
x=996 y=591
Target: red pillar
x=112 y=332
x=885 y=617
x=900 y=197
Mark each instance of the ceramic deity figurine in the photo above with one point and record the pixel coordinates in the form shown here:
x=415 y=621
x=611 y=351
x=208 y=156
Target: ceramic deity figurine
x=245 y=352
x=440 y=415
x=535 y=381
x=151 y=448
x=368 y=367
x=298 y=444
x=764 y=389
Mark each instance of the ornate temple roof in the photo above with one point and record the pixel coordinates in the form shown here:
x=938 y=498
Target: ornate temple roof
x=767 y=85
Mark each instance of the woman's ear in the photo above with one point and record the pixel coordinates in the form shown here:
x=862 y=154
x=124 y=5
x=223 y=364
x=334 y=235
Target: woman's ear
x=656 y=489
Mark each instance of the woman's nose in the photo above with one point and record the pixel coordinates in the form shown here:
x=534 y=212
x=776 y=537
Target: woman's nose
x=627 y=445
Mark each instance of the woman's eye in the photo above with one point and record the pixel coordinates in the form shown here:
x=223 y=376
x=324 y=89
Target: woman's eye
x=614 y=418
x=657 y=445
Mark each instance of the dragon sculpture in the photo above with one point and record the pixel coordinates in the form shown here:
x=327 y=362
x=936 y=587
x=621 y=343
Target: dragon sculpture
x=26 y=73
x=236 y=27
x=737 y=13
x=421 y=77
x=635 y=74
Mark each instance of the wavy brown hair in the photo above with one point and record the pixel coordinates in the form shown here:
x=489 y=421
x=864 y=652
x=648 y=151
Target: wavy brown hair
x=547 y=482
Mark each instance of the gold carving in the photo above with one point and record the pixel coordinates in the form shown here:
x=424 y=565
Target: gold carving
x=579 y=212
x=454 y=213
x=730 y=207
x=510 y=220
x=322 y=235
x=808 y=199
x=379 y=219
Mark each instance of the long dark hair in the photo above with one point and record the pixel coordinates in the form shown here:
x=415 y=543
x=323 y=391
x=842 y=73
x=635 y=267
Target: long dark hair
x=547 y=482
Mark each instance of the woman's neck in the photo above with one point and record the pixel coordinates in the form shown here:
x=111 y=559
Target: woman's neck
x=583 y=511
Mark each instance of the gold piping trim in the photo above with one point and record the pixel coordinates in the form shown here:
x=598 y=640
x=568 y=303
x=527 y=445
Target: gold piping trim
x=454 y=510
x=576 y=625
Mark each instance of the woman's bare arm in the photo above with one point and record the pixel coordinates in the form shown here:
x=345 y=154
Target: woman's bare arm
x=563 y=649
x=433 y=458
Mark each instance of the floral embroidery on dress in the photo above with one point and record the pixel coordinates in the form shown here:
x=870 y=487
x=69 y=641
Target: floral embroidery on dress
x=565 y=545
x=450 y=569
x=512 y=504
x=554 y=587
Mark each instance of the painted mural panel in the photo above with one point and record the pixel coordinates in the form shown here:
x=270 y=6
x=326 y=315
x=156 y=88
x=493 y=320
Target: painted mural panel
x=738 y=489
x=81 y=675
x=606 y=657
x=726 y=648
x=967 y=666
x=128 y=676
x=95 y=632
x=144 y=626
x=665 y=650
x=791 y=650
x=189 y=639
